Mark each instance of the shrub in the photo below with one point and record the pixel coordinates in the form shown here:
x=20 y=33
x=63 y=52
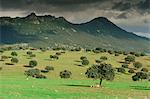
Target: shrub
x=49 y=68
x=125 y=53
x=44 y=71
x=143 y=54
x=122 y=70
x=1 y=68
x=1 y=51
x=85 y=62
x=14 y=53
x=130 y=58
x=54 y=57
x=40 y=76
x=135 y=78
x=29 y=52
x=32 y=72
x=78 y=49
x=103 y=58
x=4 y=57
x=33 y=63
x=137 y=54
x=110 y=52
x=96 y=51
x=32 y=55
x=88 y=50
x=144 y=69
x=116 y=54
x=83 y=58
x=137 y=64
x=98 y=61
x=58 y=53
x=125 y=65
x=141 y=75
x=65 y=74
x=132 y=53
x=131 y=71
x=14 y=60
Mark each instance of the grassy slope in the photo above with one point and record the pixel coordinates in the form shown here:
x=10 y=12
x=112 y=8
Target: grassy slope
x=13 y=83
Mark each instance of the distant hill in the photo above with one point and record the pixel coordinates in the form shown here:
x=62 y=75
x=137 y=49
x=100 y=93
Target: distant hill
x=44 y=31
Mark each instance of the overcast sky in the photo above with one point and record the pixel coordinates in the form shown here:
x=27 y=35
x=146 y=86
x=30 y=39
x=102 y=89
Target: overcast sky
x=131 y=15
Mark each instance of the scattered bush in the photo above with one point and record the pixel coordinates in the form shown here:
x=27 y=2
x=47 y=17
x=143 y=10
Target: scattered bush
x=3 y=57
x=1 y=51
x=144 y=69
x=98 y=61
x=103 y=58
x=122 y=70
x=49 y=68
x=137 y=64
x=40 y=76
x=116 y=54
x=125 y=53
x=131 y=71
x=14 y=53
x=32 y=55
x=143 y=54
x=135 y=78
x=83 y=58
x=29 y=53
x=1 y=68
x=137 y=54
x=130 y=58
x=58 y=53
x=32 y=72
x=125 y=65
x=54 y=57
x=88 y=50
x=85 y=62
x=33 y=63
x=140 y=75
x=132 y=53
x=110 y=52
x=14 y=60
x=65 y=74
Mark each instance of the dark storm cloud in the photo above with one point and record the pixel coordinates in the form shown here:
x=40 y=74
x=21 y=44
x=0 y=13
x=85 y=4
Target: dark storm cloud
x=122 y=16
x=121 y=5
x=75 y=6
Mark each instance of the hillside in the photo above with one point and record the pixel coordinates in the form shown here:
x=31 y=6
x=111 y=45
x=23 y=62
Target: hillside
x=44 y=31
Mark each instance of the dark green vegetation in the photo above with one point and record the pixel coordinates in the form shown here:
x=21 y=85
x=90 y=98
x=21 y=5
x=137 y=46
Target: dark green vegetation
x=101 y=72
x=47 y=79
x=43 y=31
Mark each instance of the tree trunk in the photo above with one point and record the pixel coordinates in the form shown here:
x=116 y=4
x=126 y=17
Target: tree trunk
x=100 y=83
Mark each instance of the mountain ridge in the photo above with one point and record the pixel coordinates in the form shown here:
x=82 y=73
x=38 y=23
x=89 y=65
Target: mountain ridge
x=48 y=30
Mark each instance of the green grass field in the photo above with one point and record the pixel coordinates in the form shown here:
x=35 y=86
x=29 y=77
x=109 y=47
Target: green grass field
x=15 y=85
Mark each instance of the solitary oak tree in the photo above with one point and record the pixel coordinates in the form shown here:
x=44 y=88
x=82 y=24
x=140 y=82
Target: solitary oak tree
x=101 y=72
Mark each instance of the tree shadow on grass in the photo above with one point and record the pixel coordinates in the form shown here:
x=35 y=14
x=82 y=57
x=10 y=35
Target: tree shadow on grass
x=120 y=62
x=78 y=65
x=27 y=66
x=76 y=85
x=140 y=87
x=77 y=61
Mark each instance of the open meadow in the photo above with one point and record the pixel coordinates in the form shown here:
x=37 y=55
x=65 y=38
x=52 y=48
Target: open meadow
x=14 y=84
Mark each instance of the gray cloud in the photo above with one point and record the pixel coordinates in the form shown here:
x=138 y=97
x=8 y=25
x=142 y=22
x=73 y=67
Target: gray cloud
x=75 y=5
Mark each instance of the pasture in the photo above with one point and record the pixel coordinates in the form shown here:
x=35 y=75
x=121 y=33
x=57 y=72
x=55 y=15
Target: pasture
x=15 y=85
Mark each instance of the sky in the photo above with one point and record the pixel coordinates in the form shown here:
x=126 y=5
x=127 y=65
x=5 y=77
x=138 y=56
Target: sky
x=131 y=15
